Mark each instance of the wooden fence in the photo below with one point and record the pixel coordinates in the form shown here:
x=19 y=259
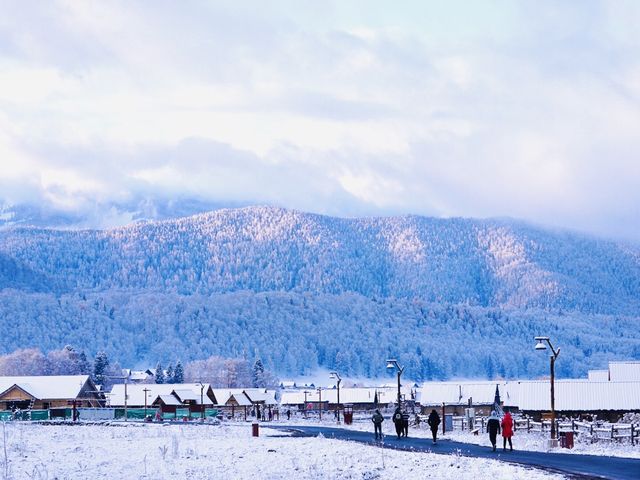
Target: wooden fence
x=594 y=430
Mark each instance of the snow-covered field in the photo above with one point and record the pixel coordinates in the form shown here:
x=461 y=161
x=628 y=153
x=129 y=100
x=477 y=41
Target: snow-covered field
x=227 y=451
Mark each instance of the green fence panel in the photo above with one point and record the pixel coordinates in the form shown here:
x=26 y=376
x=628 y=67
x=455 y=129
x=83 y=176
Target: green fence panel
x=6 y=416
x=182 y=412
x=210 y=412
x=39 y=414
x=135 y=413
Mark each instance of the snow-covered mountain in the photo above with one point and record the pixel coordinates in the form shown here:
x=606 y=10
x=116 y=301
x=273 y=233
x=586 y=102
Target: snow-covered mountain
x=477 y=262
x=236 y=270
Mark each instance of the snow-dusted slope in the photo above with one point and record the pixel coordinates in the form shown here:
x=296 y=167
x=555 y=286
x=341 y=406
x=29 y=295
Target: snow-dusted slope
x=489 y=263
x=443 y=296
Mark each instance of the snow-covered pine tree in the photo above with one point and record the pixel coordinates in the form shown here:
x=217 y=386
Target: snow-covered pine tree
x=178 y=373
x=169 y=375
x=258 y=374
x=159 y=373
x=100 y=365
x=84 y=367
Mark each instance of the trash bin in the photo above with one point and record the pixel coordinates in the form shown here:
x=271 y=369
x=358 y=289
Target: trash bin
x=566 y=439
x=255 y=429
x=348 y=418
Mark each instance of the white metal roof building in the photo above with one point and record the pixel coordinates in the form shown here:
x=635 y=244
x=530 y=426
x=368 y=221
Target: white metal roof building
x=624 y=371
x=459 y=393
x=598 y=375
x=226 y=396
x=579 y=396
x=136 y=393
x=354 y=396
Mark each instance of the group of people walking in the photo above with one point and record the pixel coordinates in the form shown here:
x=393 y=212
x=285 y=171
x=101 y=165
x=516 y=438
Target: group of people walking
x=494 y=426
x=401 y=422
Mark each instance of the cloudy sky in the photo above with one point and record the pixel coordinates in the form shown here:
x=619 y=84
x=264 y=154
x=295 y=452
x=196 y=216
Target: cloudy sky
x=447 y=108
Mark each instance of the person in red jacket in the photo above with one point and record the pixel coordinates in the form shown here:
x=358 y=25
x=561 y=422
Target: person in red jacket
x=507 y=430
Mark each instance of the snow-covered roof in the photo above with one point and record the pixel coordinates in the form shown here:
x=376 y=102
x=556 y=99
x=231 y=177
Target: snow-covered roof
x=136 y=393
x=581 y=395
x=624 y=371
x=241 y=399
x=168 y=400
x=261 y=395
x=139 y=375
x=185 y=394
x=47 y=386
x=223 y=394
x=598 y=375
x=459 y=393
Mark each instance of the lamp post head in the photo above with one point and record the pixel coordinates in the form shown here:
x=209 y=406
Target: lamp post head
x=392 y=363
x=540 y=346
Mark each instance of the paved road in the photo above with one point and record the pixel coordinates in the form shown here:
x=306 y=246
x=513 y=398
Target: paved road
x=581 y=466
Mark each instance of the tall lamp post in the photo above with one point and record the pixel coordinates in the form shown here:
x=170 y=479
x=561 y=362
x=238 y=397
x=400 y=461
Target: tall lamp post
x=393 y=363
x=306 y=392
x=554 y=355
x=336 y=376
x=319 y=390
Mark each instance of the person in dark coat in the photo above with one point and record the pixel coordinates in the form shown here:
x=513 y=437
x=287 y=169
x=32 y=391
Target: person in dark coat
x=507 y=431
x=405 y=424
x=288 y=414
x=397 y=421
x=493 y=427
x=434 y=423
x=377 y=420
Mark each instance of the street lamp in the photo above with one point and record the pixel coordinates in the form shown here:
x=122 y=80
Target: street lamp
x=393 y=363
x=554 y=355
x=319 y=390
x=336 y=376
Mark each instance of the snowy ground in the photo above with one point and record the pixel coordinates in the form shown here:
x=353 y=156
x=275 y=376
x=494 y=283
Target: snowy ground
x=227 y=451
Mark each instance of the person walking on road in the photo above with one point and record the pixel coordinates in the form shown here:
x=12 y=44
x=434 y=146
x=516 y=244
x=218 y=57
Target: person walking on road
x=405 y=424
x=434 y=422
x=493 y=427
x=507 y=431
x=397 y=421
x=377 y=420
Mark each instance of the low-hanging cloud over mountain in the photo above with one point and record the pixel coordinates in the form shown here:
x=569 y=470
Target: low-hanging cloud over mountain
x=495 y=109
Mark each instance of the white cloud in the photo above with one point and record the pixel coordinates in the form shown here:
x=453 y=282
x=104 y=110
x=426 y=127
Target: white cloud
x=428 y=109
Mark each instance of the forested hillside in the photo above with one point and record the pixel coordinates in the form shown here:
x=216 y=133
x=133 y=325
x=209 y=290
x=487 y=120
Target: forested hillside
x=443 y=295
x=486 y=263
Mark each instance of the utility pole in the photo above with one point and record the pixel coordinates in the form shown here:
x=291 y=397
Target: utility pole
x=145 y=390
x=320 y=401
x=201 y=401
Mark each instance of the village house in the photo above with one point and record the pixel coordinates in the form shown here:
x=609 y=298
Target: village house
x=48 y=392
x=169 y=398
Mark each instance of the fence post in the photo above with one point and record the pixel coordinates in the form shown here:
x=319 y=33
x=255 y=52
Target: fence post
x=573 y=426
x=528 y=425
x=611 y=432
x=591 y=429
x=632 y=439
